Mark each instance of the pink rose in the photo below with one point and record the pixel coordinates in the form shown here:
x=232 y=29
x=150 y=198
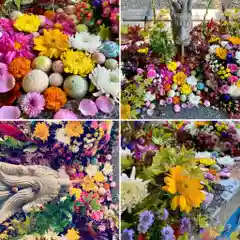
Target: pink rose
x=97 y=215
x=151 y=73
x=233 y=67
x=232 y=79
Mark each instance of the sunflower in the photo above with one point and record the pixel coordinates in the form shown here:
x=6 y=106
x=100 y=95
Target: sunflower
x=52 y=43
x=187 y=191
x=41 y=131
x=27 y=23
x=74 y=129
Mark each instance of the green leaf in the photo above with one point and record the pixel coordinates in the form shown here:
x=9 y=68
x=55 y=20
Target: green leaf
x=126 y=162
x=91 y=88
x=18 y=3
x=95 y=205
x=125 y=225
x=104 y=32
x=183 y=237
x=31 y=149
x=234 y=236
x=79 y=204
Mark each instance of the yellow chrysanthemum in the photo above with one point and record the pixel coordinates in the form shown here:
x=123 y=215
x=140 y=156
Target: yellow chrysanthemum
x=52 y=44
x=207 y=161
x=214 y=39
x=41 y=131
x=234 y=40
x=172 y=66
x=186 y=89
x=99 y=177
x=74 y=129
x=179 y=78
x=77 y=62
x=27 y=23
x=75 y=191
x=221 y=53
x=187 y=191
x=89 y=184
x=72 y=234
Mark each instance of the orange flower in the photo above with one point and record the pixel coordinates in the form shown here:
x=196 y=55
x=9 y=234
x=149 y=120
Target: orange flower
x=234 y=40
x=19 y=67
x=49 y=14
x=55 y=98
x=167 y=87
x=176 y=100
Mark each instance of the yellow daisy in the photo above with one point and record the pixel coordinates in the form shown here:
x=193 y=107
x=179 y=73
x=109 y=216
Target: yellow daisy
x=74 y=129
x=27 y=23
x=99 y=177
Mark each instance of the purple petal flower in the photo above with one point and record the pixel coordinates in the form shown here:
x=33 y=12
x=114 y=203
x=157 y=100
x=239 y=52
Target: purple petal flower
x=164 y=215
x=146 y=218
x=33 y=104
x=185 y=225
x=167 y=233
x=127 y=234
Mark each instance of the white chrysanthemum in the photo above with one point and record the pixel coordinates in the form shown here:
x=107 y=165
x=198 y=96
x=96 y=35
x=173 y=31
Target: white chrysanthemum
x=226 y=160
x=85 y=41
x=237 y=56
x=105 y=81
x=205 y=154
x=212 y=49
x=234 y=91
x=194 y=99
x=192 y=80
x=91 y=170
x=108 y=168
x=62 y=137
x=149 y=97
x=133 y=191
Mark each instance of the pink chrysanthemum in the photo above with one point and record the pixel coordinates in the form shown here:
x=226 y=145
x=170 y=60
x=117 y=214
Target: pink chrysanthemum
x=6 y=25
x=16 y=45
x=33 y=104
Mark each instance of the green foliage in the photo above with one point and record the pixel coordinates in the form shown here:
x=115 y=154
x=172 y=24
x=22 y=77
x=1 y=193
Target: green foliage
x=57 y=216
x=11 y=142
x=167 y=158
x=160 y=136
x=18 y=3
x=202 y=221
x=126 y=162
x=162 y=43
x=23 y=227
x=183 y=237
x=104 y=32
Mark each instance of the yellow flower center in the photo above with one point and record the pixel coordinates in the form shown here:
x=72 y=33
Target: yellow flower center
x=17 y=45
x=58 y=26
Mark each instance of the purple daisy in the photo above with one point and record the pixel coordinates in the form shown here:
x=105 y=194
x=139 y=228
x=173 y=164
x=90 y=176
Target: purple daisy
x=33 y=104
x=167 y=233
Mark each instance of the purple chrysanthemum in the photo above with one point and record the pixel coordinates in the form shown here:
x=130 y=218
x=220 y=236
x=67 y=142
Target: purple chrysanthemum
x=164 y=215
x=146 y=218
x=185 y=225
x=33 y=104
x=167 y=233
x=128 y=234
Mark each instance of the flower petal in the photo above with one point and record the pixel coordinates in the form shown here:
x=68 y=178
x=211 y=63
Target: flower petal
x=10 y=112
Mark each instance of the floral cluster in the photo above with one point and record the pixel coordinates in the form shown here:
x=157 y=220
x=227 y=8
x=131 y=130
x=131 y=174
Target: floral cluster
x=169 y=173
x=207 y=75
x=86 y=151
x=48 y=59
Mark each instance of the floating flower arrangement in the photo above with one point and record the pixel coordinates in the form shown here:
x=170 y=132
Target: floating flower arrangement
x=175 y=180
x=60 y=63
x=81 y=155
x=156 y=76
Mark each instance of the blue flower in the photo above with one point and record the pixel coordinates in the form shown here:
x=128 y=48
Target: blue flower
x=127 y=234
x=142 y=228
x=146 y=218
x=164 y=215
x=167 y=233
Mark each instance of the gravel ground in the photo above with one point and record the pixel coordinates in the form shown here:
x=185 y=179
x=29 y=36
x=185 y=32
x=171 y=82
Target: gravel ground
x=138 y=4
x=193 y=113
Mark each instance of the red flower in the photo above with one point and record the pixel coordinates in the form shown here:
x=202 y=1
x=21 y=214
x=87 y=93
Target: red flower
x=141 y=236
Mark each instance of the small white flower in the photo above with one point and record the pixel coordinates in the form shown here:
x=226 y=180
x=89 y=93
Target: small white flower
x=226 y=160
x=234 y=91
x=192 y=80
x=237 y=56
x=205 y=154
x=91 y=170
x=194 y=99
x=149 y=97
x=212 y=49
x=74 y=148
x=62 y=137
x=224 y=43
x=108 y=168
x=85 y=41
x=208 y=58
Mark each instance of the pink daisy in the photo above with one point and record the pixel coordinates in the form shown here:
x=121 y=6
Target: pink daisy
x=16 y=45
